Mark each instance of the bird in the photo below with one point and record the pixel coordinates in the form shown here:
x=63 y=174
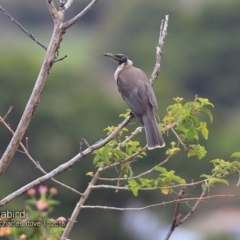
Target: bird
x=137 y=92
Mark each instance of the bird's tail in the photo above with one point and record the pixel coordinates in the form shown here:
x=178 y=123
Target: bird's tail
x=153 y=135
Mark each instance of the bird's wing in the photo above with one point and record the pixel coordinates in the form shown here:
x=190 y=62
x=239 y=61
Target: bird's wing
x=132 y=95
x=137 y=91
x=152 y=98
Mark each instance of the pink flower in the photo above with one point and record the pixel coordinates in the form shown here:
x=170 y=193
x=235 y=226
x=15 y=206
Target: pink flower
x=42 y=189
x=53 y=191
x=41 y=204
x=31 y=192
x=61 y=219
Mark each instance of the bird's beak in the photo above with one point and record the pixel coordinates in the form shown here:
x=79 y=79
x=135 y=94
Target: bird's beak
x=112 y=56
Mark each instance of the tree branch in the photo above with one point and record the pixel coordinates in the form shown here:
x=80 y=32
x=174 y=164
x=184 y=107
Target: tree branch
x=68 y=4
x=66 y=165
x=194 y=207
x=23 y=29
x=153 y=205
x=52 y=9
x=37 y=164
x=159 y=52
x=34 y=99
x=176 y=216
x=82 y=13
x=79 y=205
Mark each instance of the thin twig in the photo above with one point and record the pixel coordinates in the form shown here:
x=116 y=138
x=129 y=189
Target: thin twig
x=37 y=164
x=194 y=207
x=23 y=29
x=153 y=205
x=59 y=59
x=137 y=176
x=179 y=139
x=9 y=110
x=135 y=132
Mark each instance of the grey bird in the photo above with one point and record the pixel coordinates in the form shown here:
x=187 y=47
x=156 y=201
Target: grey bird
x=136 y=90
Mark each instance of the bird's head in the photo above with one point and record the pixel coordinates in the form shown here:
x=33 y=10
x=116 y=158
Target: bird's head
x=119 y=58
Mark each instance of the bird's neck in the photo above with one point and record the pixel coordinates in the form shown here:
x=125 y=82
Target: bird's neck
x=121 y=67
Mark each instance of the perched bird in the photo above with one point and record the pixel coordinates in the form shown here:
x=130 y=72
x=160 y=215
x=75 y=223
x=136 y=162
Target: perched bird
x=138 y=93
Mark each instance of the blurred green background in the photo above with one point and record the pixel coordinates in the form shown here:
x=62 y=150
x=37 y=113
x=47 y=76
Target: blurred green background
x=201 y=56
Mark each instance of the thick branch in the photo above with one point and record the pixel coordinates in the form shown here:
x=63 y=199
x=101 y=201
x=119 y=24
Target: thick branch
x=34 y=98
x=159 y=52
x=52 y=9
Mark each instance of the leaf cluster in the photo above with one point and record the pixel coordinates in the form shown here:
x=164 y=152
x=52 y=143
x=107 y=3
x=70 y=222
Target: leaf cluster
x=185 y=120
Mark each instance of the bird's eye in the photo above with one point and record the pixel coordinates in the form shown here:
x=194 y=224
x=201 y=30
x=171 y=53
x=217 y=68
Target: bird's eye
x=123 y=59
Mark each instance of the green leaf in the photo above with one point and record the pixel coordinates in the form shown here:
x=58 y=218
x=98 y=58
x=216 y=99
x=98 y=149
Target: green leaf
x=220 y=180
x=207 y=111
x=197 y=150
x=204 y=101
x=180 y=127
x=89 y=174
x=191 y=134
x=192 y=120
x=96 y=159
x=161 y=169
x=119 y=154
x=105 y=153
x=178 y=99
x=134 y=187
x=172 y=151
x=236 y=154
x=206 y=176
x=204 y=132
x=146 y=182
x=125 y=115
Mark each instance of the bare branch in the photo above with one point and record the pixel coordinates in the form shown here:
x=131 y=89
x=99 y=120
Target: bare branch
x=179 y=139
x=23 y=29
x=9 y=110
x=79 y=205
x=61 y=3
x=37 y=164
x=52 y=9
x=162 y=35
x=68 y=4
x=153 y=205
x=36 y=93
x=82 y=13
x=177 y=220
x=137 y=176
x=59 y=59
x=194 y=207
x=176 y=216
x=66 y=165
